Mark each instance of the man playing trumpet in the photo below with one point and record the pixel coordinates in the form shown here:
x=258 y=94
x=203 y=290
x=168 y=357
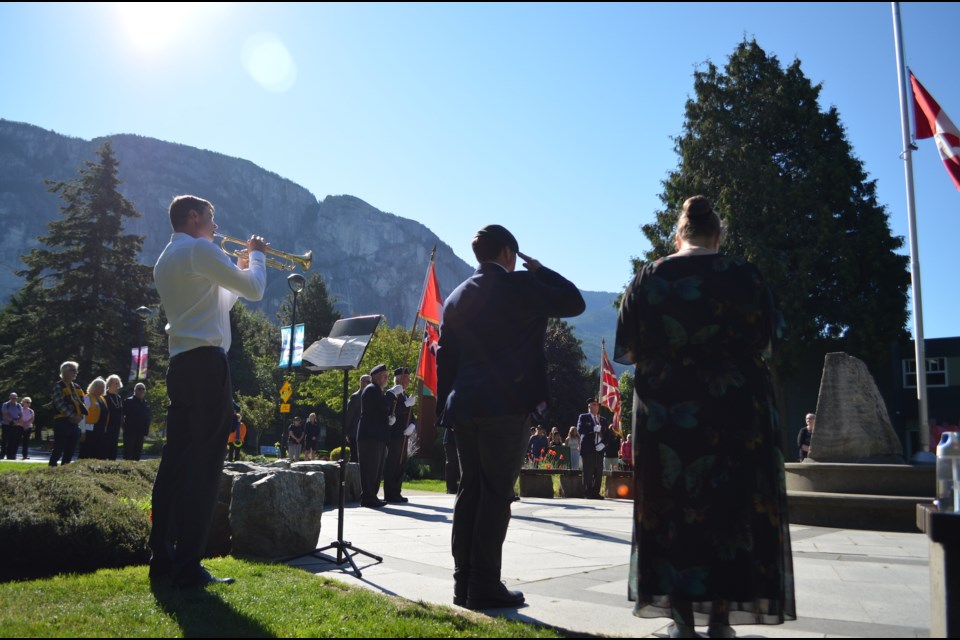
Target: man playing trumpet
x=198 y=284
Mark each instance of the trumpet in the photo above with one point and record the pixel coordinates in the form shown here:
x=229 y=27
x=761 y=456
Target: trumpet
x=283 y=261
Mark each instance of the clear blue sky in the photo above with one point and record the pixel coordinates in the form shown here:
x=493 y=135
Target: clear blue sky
x=554 y=120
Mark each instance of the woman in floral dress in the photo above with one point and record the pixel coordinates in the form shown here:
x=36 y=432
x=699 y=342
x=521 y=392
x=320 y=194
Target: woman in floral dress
x=711 y=537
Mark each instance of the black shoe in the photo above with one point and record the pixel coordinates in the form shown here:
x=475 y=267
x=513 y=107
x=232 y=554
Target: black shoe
x=397 y=500
x=199 y=579
x=375 y=504
x=160 y=570
x=498 y=597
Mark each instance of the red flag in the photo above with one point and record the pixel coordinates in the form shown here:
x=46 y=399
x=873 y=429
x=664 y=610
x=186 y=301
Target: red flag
x=427 y=367
x=609 y=387
x=931 y=122
x=431 y=306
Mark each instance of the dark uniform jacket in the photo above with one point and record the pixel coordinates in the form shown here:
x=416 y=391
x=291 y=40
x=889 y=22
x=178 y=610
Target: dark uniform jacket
x=374 y=412
x=588 y=442
x=490 y=358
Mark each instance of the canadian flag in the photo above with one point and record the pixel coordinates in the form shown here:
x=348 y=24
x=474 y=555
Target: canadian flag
x=931 y=122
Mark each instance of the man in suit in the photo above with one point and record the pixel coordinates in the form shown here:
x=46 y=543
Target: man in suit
x=397 y=442
x=353 y=418
x=372 y=435
x=593 y=440
x=492 y=373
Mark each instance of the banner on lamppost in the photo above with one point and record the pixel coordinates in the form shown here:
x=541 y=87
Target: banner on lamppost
x=138 y=363
x=297 y=346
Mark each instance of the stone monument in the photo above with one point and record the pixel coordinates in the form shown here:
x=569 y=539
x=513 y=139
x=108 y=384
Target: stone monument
x=852 y=420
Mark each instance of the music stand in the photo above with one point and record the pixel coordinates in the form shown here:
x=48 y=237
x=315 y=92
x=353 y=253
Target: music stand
x=342 y=350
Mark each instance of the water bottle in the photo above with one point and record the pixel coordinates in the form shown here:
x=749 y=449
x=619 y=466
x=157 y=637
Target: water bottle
x=948 y=473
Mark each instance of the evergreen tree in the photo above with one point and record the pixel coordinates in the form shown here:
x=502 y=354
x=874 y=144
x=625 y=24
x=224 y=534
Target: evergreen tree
x=795 y=201
x=81 y=287
x=567 y=376
x=314 y=309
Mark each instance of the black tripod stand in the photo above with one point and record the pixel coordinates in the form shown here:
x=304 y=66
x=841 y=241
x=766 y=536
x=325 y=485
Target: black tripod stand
x=345 y=550
x=343 y=349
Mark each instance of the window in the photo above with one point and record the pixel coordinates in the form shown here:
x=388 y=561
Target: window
x=936 y=373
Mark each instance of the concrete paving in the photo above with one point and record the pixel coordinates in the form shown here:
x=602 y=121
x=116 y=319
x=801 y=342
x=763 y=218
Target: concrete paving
x=570 y=558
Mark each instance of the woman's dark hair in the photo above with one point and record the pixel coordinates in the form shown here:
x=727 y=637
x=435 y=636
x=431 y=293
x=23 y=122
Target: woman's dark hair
x=698 y=220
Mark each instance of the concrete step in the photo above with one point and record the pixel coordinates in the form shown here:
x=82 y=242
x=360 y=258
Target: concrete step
x=855 y=510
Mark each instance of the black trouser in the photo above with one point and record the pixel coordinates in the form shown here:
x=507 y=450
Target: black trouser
x=491 y=452
x=11 y=440
x=451 y=470
x=132 y=445
x=65 y=436
x=393 y=467
x=199 y=420
x=592 y=474
x=372 y=453
x=25 y=443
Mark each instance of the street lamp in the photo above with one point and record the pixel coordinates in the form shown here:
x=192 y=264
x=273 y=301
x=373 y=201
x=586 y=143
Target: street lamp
x=296 y=283
x=144 y=313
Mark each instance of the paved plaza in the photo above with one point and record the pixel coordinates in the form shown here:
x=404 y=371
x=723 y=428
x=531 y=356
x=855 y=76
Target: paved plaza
x=570 y=558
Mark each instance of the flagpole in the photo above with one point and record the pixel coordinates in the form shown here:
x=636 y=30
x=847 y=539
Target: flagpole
x=921 y=362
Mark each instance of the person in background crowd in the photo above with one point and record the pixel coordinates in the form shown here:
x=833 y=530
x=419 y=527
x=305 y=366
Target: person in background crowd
x=593 y=431
x=396 y=454
x=626 y=452
x=26 y=425
x=236 y=439
x=11 y=412
x=68 y=403
x=538 y=444
x=311 y=443
x=353 y=418
x=136 y=422
x=806 y=432
x=556 y=440
x=573 y=441
x=114 y=418
x=372 y=434
x=93 y=439
x=611 y=453
x=295 y=436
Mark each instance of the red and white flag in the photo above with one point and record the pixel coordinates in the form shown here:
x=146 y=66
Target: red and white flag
x=930 y=121
x=609 y=387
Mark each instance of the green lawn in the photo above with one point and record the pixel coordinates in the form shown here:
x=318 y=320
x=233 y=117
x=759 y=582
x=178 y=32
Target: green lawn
x=438 y=486
x=266 y=601
x=10 y=465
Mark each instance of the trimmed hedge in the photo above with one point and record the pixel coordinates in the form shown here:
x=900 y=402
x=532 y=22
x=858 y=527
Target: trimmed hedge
x=80 y=517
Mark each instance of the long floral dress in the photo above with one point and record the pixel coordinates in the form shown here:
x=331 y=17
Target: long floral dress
x=710 y=516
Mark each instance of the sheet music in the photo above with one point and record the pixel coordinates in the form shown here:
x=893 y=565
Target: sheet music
x=336 y=353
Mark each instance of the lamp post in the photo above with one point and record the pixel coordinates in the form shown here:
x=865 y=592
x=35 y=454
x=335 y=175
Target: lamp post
x=296 y=282
x=144 y=313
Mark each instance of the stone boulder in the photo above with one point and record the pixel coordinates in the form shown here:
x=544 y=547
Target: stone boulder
x=276 y=513
x=852 y=420
x=331 y=471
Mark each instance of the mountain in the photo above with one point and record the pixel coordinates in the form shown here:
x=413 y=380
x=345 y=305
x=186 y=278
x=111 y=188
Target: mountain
x=372 y=261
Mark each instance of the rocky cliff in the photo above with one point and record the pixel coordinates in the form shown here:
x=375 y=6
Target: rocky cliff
x=373 y=262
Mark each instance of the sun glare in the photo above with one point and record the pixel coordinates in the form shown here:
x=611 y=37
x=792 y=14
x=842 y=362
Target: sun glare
x=150 y=25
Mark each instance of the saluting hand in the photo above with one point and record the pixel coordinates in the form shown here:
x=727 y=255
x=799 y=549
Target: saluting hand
x=530 y=264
